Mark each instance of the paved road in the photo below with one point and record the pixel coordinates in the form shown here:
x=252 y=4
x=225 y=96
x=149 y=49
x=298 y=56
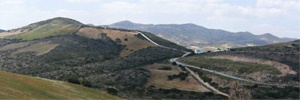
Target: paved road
x=159 y=44
x=216 y=72
x=196 y=67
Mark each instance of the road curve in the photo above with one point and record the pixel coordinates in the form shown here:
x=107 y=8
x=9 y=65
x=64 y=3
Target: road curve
x=195 y=76
x=216 y=72
x=196 y=67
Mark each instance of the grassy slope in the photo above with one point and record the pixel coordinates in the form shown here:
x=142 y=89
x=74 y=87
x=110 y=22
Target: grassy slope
x=38 y=48
x=14 y=86
x=51 y=27
x=46 y=31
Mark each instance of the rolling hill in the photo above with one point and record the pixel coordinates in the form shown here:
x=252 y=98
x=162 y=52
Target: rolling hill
x=198 y=37
x=109 y=59
x=126 y=63
x=15 y=86
x=51 y=27
x=271 y=64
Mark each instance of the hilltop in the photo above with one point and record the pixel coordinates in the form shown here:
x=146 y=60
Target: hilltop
x=15 y=86
x=51 y=27
x=198 y=37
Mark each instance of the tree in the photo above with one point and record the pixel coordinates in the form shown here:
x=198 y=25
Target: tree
x=112 y=91
x=73 y=80
x=86 y=83
x=174 y=63
x=118 y=41
x=237 y=93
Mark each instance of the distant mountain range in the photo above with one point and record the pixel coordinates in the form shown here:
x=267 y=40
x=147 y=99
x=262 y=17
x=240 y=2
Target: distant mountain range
x=198 y=37
x=2 y=30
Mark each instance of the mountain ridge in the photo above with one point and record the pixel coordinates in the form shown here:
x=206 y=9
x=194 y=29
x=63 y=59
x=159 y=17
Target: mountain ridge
x=195 y=36
x=2 y=30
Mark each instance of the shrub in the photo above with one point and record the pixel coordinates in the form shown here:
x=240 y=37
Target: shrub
x=73 y=80
x=86 y=83
x=165 y=68
x=112 y=91
x=174 y=63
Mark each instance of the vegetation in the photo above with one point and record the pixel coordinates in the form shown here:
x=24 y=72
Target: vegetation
x=90 y=62
x=52 y=27
x=228 y=65
x=165 y=42
x=285 y=53
x=14 y=86
x=236 y=93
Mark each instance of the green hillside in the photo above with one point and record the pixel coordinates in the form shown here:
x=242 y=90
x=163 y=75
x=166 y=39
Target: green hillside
x=51 y=27
x=276 y=64
x=14 y=86
x=108 y=59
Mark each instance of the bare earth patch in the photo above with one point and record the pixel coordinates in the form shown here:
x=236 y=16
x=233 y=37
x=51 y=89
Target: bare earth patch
x=39 y=48
x=14 y=46
x=14 y=32
x=159 y=78
x=283 y=68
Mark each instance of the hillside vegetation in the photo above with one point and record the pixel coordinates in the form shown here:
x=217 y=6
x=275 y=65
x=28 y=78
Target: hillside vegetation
x=112 y=60
x=51 y=27
x=232 y=66
x=14 y=86
x=131 y=40
x=276 y=64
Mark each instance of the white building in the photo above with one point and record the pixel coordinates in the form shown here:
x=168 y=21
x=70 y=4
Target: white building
x=197 y=51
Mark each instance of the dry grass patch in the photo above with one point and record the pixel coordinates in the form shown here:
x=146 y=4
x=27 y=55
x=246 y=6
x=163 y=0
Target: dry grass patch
x=129 y=39
x=38 y=48
x=14 y=32
x=14 y=46
x=159 y=78
x=90 y=32
x=132 y=44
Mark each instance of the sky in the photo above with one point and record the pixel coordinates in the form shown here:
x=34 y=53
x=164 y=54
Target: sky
x=278 y=17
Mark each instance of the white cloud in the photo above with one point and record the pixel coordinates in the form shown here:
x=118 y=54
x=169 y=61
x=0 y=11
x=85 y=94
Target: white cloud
x=14 y=2
x=83 y=1
x=219 y=14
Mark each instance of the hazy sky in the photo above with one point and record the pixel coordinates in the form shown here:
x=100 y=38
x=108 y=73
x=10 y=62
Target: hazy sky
x=279 y=17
